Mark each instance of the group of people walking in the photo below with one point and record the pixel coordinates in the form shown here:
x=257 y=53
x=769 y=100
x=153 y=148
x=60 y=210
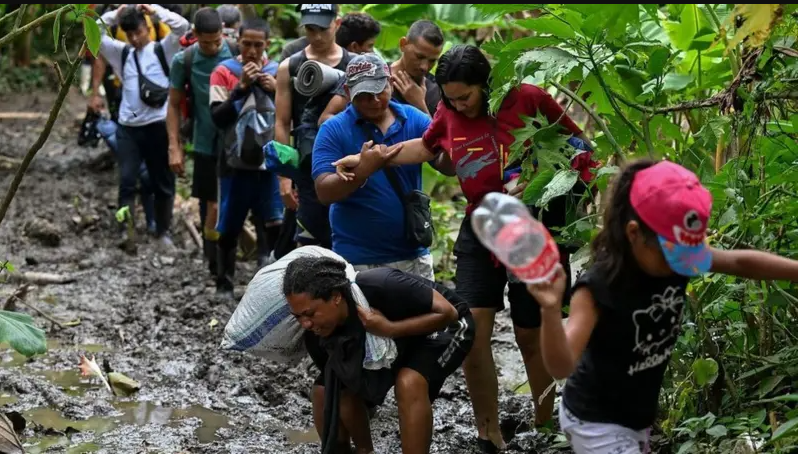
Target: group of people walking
x=357 y=190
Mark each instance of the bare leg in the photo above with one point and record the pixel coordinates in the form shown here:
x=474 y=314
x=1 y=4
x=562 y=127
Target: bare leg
x=480 y=374
x=529 y=343
x=415 y=412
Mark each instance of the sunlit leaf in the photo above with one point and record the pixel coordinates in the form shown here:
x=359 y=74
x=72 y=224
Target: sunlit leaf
x=550 y=62
x=92 y=31
x=560 y=184
x=758 y=21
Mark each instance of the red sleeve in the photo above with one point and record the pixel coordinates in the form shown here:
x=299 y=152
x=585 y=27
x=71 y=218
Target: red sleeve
x=541 y=101
x=435 y=134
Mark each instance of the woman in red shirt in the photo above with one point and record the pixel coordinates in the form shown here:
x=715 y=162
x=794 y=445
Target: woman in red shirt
x=477 y=146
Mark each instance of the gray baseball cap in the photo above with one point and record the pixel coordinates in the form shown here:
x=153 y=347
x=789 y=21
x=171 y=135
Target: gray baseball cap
x=316 y=14
x=367 y=73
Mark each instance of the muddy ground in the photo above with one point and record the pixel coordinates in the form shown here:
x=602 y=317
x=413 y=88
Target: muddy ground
x=151 y=317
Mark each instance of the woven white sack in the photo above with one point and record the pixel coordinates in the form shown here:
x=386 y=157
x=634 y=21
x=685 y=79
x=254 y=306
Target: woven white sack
x=262 y=324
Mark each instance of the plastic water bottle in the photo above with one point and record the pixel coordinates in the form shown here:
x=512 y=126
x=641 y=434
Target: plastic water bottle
x=504 y=225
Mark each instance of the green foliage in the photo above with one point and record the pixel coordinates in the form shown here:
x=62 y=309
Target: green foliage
x=20 y=332
x=662 y=81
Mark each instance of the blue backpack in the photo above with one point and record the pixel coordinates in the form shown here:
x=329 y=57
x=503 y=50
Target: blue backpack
x=244 y=142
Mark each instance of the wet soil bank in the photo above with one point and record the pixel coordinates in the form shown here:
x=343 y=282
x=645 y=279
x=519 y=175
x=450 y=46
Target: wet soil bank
x=154 y=318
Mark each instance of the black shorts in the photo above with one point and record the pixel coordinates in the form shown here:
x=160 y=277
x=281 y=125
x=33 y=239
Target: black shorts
x=434 y=357
x=205 y=183
x=481 y=280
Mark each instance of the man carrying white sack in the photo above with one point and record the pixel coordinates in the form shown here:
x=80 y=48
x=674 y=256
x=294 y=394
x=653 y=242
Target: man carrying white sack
x=430 y=325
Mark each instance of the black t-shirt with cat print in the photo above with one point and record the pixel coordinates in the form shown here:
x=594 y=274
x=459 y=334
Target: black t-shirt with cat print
x=619 y=376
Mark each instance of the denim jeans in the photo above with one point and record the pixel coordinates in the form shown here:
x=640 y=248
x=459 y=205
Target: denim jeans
x=107 y=129
x=147 y=144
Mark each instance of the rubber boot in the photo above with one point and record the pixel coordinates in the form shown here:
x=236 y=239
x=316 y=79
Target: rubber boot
x=265 y=244
x=226 y=267
x=209 y=249
x=163 y=221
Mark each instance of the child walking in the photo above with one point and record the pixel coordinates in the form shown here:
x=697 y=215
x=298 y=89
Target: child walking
x=626 y=309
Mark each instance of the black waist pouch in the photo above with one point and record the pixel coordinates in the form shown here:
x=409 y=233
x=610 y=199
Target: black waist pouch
x=418 y=213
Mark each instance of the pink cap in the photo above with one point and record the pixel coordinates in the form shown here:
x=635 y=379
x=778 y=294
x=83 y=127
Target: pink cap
x=671 y=200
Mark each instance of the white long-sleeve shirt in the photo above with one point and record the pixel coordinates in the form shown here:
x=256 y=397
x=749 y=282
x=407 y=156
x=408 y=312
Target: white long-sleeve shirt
x=132 y=111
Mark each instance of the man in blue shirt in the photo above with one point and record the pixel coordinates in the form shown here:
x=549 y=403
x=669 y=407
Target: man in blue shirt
x=367 y=217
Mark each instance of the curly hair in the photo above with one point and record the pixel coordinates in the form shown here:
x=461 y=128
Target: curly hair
x=320 y=277
x=612 y=252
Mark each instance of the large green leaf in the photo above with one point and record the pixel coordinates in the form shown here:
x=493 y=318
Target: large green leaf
x=560 y=184
x=390 y=35
x=530 y=42
x=676 y=82
x=657 y=60
x=92 y=31
x=705 y=371
x=548 y=25
x=788 y=428
x=20 y=332
x=611 y=19
x=535 y=189
x=550 y=63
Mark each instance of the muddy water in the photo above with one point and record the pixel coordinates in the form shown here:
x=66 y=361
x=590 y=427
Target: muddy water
x=148 y=316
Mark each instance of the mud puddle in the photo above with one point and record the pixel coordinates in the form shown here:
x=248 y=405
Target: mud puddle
x=131 y=413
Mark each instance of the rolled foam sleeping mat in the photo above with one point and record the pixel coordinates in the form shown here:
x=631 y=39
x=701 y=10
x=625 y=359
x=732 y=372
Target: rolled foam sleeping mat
x=315 y=78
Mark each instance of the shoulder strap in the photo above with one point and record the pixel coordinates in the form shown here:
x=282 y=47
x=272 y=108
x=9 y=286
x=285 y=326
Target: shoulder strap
x=233 y=65
x=159 y=52
x=188 y=60
x=156 y=25
x=294 y=62
x=125 y=53
x=390 y=173
x=271 y=68
x=114 y=30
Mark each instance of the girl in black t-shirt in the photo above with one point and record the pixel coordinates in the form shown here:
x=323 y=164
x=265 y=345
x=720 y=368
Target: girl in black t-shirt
x=431 y=326
x=626 y=309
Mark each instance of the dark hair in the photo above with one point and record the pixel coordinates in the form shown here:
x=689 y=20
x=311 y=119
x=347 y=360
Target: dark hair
x=356 y=28
x=207 y=20
x=427 y=30
x=467 y=64
x=320 y=277
x=229 y=14
x=257 y=24
x=611 y=250
x=131 y=19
